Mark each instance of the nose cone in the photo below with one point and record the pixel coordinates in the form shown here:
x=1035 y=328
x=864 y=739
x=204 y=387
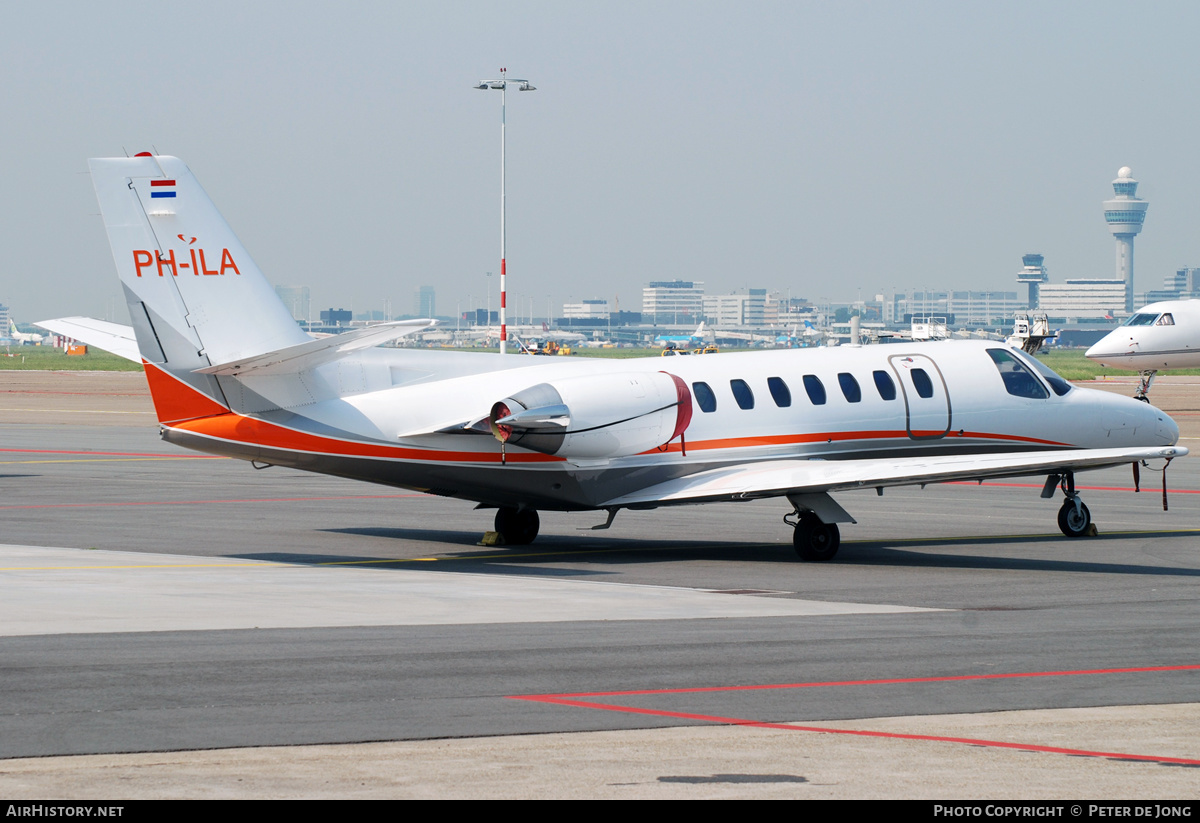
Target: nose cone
x=1111 y=345
x=1149 y=419
x=1165 y=427
x=1128 y=422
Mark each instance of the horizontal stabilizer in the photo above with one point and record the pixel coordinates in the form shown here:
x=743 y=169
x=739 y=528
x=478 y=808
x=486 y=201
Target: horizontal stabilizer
x=775 y=478
x=316 y=352
x=112 y=337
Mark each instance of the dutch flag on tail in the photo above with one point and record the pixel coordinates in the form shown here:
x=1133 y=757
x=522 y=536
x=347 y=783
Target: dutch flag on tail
x=162 y=188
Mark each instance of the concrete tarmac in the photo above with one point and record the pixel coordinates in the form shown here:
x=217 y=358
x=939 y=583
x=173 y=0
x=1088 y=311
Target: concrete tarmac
x=184 y=626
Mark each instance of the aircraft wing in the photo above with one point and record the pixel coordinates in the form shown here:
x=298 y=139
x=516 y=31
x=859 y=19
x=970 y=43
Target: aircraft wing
x=112 y=337
x=776 y=478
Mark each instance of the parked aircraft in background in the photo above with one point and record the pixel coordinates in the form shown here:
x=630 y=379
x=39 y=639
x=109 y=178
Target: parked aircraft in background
x=1161 y=336
x=24 y=337
x=682 y=340
x=230 y=373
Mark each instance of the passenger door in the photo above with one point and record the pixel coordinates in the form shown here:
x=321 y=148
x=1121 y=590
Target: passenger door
x=926 y=398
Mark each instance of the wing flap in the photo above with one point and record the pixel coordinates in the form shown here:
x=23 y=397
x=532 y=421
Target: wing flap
x=781 y=477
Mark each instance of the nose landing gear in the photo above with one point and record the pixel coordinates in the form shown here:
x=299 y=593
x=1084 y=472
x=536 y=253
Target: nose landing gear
x=1143 y=389
x=1074 y=519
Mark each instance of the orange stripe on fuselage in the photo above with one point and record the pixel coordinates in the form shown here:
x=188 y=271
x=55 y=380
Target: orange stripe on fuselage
x=187 y=409
x=837 y=437
x=237 y=428
x=175 y=400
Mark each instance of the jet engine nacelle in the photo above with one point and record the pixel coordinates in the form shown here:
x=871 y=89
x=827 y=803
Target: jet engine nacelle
x=606 y=415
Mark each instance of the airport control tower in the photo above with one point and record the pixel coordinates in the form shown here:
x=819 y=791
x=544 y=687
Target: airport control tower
x=1034 y=274
x=1125 y=214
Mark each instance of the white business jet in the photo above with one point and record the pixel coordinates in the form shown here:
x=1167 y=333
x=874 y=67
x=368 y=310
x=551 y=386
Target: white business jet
x=230 y=373
x=1161 y=336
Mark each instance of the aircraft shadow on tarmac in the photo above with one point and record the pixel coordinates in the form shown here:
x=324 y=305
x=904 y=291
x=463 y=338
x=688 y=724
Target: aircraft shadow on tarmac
x=470 y=557
x=618 y=551
x=886 y=553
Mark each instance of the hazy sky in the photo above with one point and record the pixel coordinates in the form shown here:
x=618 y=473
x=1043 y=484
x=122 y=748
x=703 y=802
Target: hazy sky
x=817 y=148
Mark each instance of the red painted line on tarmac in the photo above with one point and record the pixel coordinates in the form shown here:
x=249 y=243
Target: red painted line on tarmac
x=115 y=454
x=210 y=502
x=572 y=700
x=884 y=682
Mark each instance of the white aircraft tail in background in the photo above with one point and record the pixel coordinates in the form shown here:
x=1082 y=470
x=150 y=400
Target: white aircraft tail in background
x=23 y=337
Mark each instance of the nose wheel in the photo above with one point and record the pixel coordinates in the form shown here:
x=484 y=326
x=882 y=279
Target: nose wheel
x=814 y=540
x=1074 y=519
x=1143 y=389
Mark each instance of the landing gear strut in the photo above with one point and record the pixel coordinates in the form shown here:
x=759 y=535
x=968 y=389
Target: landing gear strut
x=1074 y=519
x=518 y=527
x=1143 y=390
x=814 y=540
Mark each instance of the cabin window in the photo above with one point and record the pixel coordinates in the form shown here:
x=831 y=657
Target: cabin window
x=883 y=382
x=922 y=383
x=742 y=394
x=1018 y=380
x=1166 y=320
x=850 y=387
x=816 y=391
x=780 y=393
x=705 y=399
x=1141 y=320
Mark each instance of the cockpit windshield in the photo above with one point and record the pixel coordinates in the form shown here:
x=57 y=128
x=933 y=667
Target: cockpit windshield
x=1059 y=384
x=1141 y=320
x=1018 y=381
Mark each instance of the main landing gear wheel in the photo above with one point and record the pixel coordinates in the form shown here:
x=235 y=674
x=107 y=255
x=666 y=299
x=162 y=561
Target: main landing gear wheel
x=814 y=540
x=518 y=527
x=1074 y=520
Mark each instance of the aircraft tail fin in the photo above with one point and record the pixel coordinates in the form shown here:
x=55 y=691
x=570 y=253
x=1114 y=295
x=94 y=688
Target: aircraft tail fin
x=195 y=297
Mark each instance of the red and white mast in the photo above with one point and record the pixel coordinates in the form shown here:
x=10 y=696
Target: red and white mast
x=502 y=85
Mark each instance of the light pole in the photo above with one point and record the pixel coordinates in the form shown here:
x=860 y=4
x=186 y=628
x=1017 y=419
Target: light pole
x=502 y=85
